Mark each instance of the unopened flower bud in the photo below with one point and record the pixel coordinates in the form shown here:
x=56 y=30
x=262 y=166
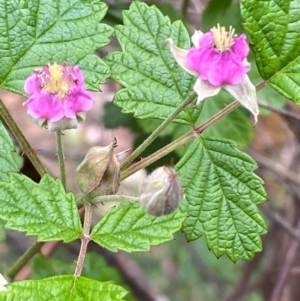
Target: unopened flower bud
x=161 y=191
x=99 y=172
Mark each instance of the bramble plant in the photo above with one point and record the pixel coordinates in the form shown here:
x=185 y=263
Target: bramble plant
x=48 y=55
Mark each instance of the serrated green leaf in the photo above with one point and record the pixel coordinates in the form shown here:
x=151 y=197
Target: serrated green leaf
x=8 y=163
x=130 y=228
x=154 y=83
x=63 y=288
x=222 y=195
x=36 y=32
x=275 y=43
x=42 y=209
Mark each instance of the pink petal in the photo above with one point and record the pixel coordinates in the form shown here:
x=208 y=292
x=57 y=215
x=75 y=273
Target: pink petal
x=200 y=60
x=226 y=69
x=207 y=40
x=80 y=100
x=78 y=75
x=32 y=84
x=204 y=89
x=44 y=105
x=240 y=47
x=245 y=93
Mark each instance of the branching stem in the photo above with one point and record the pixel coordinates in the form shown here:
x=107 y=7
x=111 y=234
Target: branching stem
x=156 y=133
x=85 y=238
x=183 y=139
x=179 y=142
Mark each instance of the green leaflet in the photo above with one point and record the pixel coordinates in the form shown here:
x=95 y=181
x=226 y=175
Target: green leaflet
x=36 y=32
x=222 y=195
x=63 y=288
x=275 y=43
x=7 y=155
x=154 y=84
x=42 y=209
x=130 y=228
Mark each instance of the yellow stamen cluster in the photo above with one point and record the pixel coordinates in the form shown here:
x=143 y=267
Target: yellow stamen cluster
x=56 y=83
x=223 y=40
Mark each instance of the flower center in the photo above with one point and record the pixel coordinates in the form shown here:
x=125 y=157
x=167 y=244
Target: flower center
x=223 y=40
x=58 y=81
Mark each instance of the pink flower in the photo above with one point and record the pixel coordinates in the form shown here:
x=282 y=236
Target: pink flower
x=58 y=98
x=219 y=60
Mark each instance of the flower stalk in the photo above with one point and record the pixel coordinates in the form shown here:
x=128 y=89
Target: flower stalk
x=61 y=158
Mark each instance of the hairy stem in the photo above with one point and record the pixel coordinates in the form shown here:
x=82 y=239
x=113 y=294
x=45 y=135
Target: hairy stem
x=179 y=142
x=25 y=146
x=23 y=260
x=261 y=85
x=61 y=158
x=85 y=238
x=156 y=133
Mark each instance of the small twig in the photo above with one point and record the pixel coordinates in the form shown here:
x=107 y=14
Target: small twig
x=261 y=85
x=286 y=267
x=280 y=220
x=47 y=249
x=280 y=111
x=85 y=238
x=275 y=167
x=23 y=260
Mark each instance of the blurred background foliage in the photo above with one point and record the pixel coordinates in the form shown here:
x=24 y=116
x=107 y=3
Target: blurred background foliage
x=179 y=270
